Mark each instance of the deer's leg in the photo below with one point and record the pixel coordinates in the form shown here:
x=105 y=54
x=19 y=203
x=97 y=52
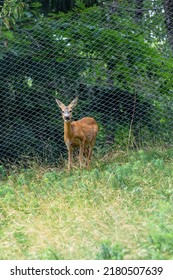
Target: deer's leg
x=70 y=157
x=88 y=158
x=81 y=151
x=89 y=155
x=91 y=146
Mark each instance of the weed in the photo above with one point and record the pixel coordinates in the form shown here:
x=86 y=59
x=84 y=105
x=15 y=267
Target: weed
x=49 y=254
x=159 y=244
x=3 y=172
x=111 y=252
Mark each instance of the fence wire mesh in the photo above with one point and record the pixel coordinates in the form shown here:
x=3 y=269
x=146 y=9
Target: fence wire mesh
x=117 y=58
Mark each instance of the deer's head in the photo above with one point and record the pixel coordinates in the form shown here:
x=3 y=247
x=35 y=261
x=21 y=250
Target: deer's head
x=67 y=110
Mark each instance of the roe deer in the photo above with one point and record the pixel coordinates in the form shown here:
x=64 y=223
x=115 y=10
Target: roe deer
x=81 y=133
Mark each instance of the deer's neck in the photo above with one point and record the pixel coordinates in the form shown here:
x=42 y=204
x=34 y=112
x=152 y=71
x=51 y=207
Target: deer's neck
x=67 y=131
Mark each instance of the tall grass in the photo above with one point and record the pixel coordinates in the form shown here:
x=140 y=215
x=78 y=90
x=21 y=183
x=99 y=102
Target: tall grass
x=121 y=208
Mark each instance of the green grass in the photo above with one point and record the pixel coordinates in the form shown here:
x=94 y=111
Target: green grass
x=122 y=208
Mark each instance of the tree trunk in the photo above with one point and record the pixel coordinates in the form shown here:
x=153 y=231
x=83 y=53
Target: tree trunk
x=168 y=7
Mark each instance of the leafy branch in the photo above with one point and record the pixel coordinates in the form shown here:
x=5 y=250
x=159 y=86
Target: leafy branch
x=11 y=11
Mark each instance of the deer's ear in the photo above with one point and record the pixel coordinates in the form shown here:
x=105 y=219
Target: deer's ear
x=60 y=104
x=73 y=103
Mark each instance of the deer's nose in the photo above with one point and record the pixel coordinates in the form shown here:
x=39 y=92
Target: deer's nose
x=67 y=118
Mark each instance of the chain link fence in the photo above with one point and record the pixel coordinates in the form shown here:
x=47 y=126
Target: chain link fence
x=116 y=58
